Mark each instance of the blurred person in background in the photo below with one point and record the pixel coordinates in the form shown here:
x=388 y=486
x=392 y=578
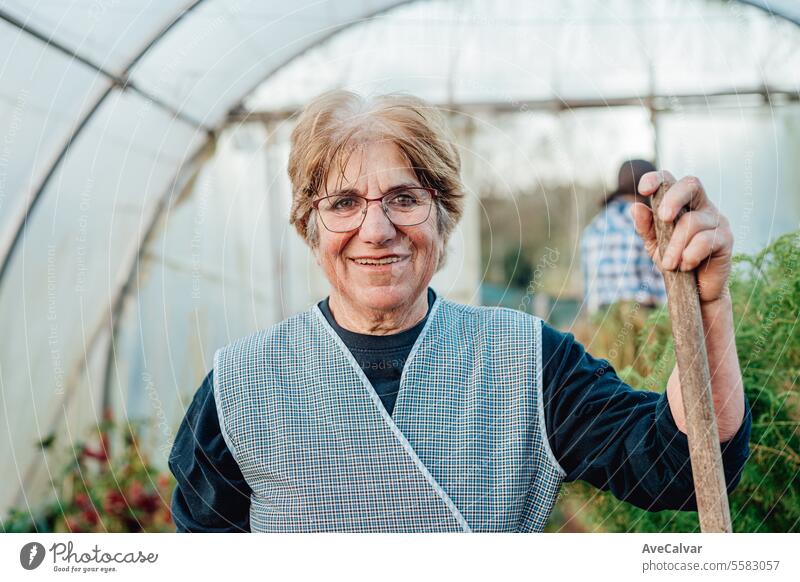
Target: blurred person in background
x=621 y=283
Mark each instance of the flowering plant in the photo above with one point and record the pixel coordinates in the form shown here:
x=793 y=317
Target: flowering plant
x=100 y=492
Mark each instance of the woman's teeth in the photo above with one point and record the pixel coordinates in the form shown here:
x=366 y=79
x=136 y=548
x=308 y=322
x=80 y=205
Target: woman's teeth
x=384 y=261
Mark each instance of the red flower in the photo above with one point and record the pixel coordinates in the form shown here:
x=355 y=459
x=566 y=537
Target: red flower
x=82 y=501
x=151 y=503
x=136 y=492
x=104 y=443
x=147 y=502
x=137 y=496
x=90 y=516
x=100 y=455
x=114 y=503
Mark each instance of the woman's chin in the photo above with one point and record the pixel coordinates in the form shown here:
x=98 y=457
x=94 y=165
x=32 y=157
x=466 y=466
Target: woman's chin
x=384 y=297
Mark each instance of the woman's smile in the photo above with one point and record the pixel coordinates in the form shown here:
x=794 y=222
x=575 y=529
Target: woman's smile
x=381 y=264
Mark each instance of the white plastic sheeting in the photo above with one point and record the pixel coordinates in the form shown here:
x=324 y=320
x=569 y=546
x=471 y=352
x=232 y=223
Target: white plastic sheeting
x=79 y=241
x=747 y=163
x=105 y=107
x=475 y=52
x=476 y=57
x=107 y=32
x=57 y=290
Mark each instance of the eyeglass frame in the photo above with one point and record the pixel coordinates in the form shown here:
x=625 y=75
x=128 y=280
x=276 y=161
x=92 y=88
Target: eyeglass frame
x=432 y=191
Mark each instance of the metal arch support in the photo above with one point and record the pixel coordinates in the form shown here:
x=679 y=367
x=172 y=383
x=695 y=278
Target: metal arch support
x=9 y=243
x=118 y=303
x=765 y=6
x=126 y=282
x=760 y=4
x=122 y=81
x=17 y=228
x=120 y=294
x=125 y=285
x=333 y=32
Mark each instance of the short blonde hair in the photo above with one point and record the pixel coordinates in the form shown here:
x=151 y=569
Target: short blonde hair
x=334 y=123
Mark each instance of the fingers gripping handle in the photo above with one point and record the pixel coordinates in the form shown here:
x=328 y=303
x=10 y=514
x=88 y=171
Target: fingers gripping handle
x=693 y=371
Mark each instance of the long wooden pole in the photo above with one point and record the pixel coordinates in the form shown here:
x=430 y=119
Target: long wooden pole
x=698 y=406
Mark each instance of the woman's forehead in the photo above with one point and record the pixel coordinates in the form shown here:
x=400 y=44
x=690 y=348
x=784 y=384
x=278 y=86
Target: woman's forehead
x=380 y=163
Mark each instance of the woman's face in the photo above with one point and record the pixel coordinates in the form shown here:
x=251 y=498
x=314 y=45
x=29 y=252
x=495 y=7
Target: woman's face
x=372 y=170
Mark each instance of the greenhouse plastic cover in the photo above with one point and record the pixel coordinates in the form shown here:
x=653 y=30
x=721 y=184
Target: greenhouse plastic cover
x=108 y=111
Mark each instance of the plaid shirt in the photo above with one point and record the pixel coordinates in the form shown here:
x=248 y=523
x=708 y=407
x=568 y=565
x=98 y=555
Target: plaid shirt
x=615 y=264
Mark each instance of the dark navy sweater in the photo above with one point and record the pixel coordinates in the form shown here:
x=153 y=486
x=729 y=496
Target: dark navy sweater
x=600 y=430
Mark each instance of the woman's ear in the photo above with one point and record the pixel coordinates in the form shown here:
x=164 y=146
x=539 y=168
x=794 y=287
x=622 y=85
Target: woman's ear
x=440 y=259
x=312 y=231
x=315 y=251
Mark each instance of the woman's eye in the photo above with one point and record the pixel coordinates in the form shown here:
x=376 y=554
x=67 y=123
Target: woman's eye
x=344 y=203
x=403 y=199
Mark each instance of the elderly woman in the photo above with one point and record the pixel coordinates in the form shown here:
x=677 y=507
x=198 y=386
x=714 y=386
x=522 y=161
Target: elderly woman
x=386 y=407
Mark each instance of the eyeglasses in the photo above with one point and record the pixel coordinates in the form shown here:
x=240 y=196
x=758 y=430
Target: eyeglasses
x=403 y=206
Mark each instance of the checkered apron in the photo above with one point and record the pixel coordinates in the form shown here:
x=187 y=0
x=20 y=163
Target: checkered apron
x=464 y=450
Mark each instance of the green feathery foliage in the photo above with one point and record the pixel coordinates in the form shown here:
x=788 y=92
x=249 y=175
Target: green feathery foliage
x=765 y=289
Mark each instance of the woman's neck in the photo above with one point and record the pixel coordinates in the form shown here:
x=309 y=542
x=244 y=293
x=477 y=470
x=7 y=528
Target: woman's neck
x=360 y=319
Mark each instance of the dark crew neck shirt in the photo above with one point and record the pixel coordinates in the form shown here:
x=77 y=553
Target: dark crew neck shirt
x=382 y=357
x=600 y=430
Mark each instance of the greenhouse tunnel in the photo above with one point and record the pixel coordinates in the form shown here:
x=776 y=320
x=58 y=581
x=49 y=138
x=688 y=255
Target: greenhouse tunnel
x=143 y=190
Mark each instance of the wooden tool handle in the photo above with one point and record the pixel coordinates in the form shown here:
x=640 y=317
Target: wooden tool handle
x=698 y=406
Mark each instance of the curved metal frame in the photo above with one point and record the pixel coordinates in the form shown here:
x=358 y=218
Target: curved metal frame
x=9 y=244
x=117 y=302
x=764 y=5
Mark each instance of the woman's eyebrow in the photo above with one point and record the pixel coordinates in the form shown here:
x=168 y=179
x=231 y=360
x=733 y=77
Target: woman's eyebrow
x=345 y=191
x=355 y=192
x=404 y=185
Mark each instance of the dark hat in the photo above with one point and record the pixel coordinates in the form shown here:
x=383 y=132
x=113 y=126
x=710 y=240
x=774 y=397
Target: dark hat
x=630 y=172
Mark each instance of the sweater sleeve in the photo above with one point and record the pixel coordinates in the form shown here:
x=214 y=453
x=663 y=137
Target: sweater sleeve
x=619 y=439
x=211 y=494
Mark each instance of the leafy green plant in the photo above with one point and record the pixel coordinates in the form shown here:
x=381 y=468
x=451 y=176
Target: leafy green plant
x=765 y=289
x=100 y=492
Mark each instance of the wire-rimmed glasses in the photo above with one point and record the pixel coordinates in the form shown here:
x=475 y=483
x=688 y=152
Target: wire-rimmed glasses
x=403 y=206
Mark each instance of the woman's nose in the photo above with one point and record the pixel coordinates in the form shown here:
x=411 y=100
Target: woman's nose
x=376 y=228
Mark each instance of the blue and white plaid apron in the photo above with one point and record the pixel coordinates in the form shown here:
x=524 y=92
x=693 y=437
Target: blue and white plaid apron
x=464 y=450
